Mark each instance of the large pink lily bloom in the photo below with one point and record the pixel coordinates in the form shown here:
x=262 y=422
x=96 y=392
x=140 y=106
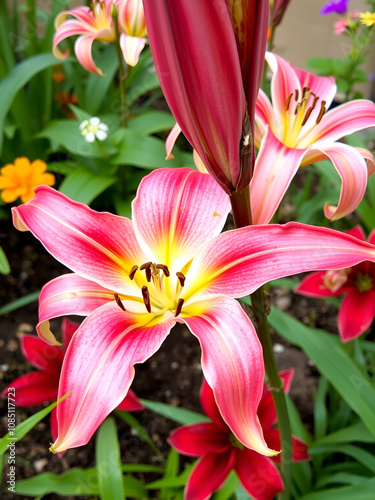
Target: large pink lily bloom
x=96 y=23
x=357 y=283
x=295 y=130
x=209 y=58
x=135 y=279
x=221 y=452
x=42 y=385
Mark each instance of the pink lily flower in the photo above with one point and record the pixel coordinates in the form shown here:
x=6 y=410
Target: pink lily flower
x=357 y=311
x=209 y=60
x=135 y=279
x=42 y=385
x=221 y=452
x=96 y=23
x=295 y=131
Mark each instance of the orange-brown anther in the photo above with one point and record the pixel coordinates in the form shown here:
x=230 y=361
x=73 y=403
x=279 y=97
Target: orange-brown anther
x=145 y=265
x=133 y=270
x=164 y=269
x=321 y=112
x=146 y=298
x=296 y=94
x=119 y=302
x=181 y=277
x=288 y=101
x=148 y=274
x=180 y=303
x=307 y=115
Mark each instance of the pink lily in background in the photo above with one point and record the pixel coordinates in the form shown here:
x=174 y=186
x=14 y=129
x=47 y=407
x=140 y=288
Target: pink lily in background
x=295 y=131
x=96 y=23
x=221 y=452
x=135 y=279
x=209 y=59
x=357 y=311
x=41 y=386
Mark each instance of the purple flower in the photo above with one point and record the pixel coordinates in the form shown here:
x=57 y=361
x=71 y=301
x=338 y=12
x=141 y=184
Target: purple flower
x=338 y=6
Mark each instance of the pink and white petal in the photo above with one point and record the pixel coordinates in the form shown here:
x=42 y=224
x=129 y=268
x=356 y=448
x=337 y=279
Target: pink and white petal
x=209 y=405
x=208 y=475
x=237 y=262
x=313 y=286
x=197 y=439
x=367 y=155
x=130 y=403
x=34 y=388
x=65 y=30
x=266 y=410
x=341 y=121
x=65 y=295
x=96 y=245
x=356 y=314
x=175 y=212
x=275 y=167
x=264 y=113
x=232 y=363
x=171 y=140
x=82 y=50
x=322 y=86
x=82 y=14
x=299 y=447
x=68 y=328
x=53 y=424
x=258 y=475
x=47 y=358
x=131 y=47
x=98 y=369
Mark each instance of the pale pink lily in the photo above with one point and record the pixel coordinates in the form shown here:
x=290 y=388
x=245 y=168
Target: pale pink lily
x=135 y=279
x=40 y=386
x=97 y=23
x=209 y=60
x=295 y=131
x=357 y=283
x=220 y=452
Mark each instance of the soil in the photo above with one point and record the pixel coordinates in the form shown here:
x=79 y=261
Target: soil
x=173 y=375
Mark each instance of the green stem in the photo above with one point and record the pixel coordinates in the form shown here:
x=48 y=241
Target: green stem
x=123 y=76
x=242 y=217
x=31 y=26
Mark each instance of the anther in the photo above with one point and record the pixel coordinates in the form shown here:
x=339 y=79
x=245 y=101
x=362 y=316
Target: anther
x=119 y=302
x=180 y=303
x=316 y=99
x=296 y=95
x=307 y=116
x=133 y=270
x=148 y=274
x=164 y=269
x=181 y=278
x=298 y=107
x=305 y=89
x=321 y=112
x=145 y=265
x=146 y=298
x=288 y=101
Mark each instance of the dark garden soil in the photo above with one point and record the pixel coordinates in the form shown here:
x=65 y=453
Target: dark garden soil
x=173 y=375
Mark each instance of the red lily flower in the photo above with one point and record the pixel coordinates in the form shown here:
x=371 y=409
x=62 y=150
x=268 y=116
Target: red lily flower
x=40 y=386
x=357 y=310
x=221 y=452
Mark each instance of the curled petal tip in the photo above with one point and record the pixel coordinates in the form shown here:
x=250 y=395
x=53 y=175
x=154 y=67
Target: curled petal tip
x=45 y=333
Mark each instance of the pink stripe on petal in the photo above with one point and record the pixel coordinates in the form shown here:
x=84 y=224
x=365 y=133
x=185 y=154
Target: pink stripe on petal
x=208 y=475
x=97 y=245
x=43 y=356
x=258 y=475
x=175 y=211
x=131 y=47
x=197 y=439
x=35 y=388
x=322 y=86
x=356 y=314
x=275 y=167
x=82 y=49
x=98 y=369
x=232 y=364
x=68 y=328
x=264 y=114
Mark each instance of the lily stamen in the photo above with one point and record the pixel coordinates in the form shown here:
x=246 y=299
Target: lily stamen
x=133 y=270
x=321 y=112
x=146 y=298
x=287 y=104
x=181 y=278
x=119 y=302
x=164 y=269
x=180 y=303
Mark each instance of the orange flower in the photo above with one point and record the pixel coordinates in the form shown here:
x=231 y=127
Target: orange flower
x=20 y=179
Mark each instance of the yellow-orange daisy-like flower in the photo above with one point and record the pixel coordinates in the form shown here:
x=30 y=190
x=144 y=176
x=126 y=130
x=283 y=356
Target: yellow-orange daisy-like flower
x=367 y=18
x=21 y=178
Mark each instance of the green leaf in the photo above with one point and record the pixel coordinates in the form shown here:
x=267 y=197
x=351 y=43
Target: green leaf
x=84 y=185
x=364 y=457
x=179 y=415
x=230 y=486
x=357 y=432
x=24 y=427
x=142 y=468
x=134 y=488
x=296 y=424
x=151 y=121
x=142 y=78
x=75 y=482
x=4 y=264
x=363 y=491
x=320 y=409
x=344 y=374
x=18 y=303
x=108 y=462
x=17 y=79
x=171 y=471
x=343 y=478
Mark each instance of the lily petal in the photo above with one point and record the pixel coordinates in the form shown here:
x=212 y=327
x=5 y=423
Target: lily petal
x=175 y=212
x=171 y=140
x=266 y=411
x=313 y=286
x=208 y=475
x=43 y=356
x=68 y=328
x=299 y=448
x=98 y=366
x=209 y=404
x=232 y=364
x=238 y=262
x=82 y=50
x=131 y=403
x=275 y=167
x=193 y=45
x=131 y=47
x=97 y=245
x=34 y=388
x=197 y=439
x=258 y=475
x=356 y=314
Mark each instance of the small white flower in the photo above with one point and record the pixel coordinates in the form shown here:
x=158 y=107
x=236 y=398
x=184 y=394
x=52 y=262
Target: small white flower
x=93 y=129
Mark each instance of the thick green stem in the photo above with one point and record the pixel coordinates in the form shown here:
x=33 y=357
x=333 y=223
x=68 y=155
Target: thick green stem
x=123 y=75
x=242 y=217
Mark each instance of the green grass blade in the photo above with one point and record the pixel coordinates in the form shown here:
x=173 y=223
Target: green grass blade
x=18 y=303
